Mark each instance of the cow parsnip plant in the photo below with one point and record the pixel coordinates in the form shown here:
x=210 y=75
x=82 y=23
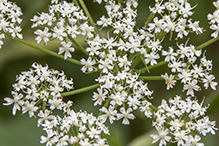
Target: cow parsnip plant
x=115 y=48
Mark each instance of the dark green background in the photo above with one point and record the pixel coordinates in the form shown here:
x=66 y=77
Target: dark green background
x=14 y=57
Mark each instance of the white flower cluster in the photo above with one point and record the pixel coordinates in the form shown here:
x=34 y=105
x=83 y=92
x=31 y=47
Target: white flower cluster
x=122 y=94
x=214 y=19
x=39 y=87
x=38 y=92
x=63 y=21
x=10 y=20
x=183 y=62
x=74 y=128
x=174 y=18
x=117 y=55
x=182 y=121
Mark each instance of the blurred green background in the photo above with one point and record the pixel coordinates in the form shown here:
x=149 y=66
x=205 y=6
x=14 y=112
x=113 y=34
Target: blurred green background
x=15 y=57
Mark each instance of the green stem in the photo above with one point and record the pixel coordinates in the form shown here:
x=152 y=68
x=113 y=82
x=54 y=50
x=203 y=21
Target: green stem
x=153 y=108
x=78 y=45
x=80 y=90
x=152 y=67
x=105 y=105
x=207 y=43
x=151 y=77
x=44 y=50
x=163 y=62
x=76 y=3
x=88 y=15
x=149 y=19
x=135 y=63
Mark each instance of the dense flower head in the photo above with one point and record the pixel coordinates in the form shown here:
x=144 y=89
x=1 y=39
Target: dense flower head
x=188 y=65
x=64 y=22
x=179 y=120
x=39 y=87
x=10 y=20
x=73 y=128
x=38 y=92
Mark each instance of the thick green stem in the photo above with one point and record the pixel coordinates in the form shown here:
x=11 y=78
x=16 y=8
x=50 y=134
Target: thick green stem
x=150 y=77
x=78 y=45
x=80 y=90
x=76 y=3
x=44 y=50
x=88 y=15
x=207 y=43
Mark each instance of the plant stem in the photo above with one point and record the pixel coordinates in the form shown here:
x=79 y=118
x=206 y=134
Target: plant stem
x=152 y=67
x=88 y=15
x=135 y=63
x=76 y=3
x=151 y=77
x=207 y=43
x=78 y=45
x=80 y=90
x=44 y=50
x=149 y=19
x=163 y=62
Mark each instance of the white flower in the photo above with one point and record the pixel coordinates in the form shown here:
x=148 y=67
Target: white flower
x=93 y=133
x=88 y=65
x=110 y=113
x=169 y=80
x=55 y=103
x=105 y=65
x=30 y=108
x=193 y=141
x=125 y=114
x=150 y=58
x=87 y=30
x=133 y=102
x=162 y=136
x=158 y=8
x=50 y=139
x=185 y=11
x=208 y=80
x=124 y=62
x=184 y=76
x=59 y=33
x=216 y=28
x=104 y=22
x=42 y=35
x=214 y=18
x=145 y=107
x=180 y=137
x=170 y=55
x=66 y=47
x=157 y=26
x=17 y=101
x=100 y=96
x=118 y=98
x=190 y=86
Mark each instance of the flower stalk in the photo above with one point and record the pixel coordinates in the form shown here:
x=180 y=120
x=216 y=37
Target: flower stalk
x=44 y=50
x=80 y=90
